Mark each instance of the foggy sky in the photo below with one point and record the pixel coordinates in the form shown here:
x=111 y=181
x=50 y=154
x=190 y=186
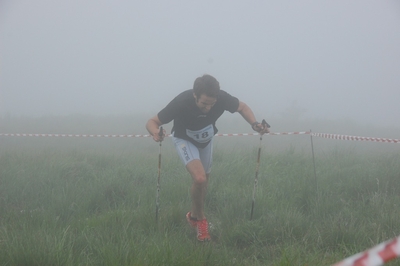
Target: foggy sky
x=335 y=59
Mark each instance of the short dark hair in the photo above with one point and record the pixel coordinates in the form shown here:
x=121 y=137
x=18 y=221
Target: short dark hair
x=207 y=85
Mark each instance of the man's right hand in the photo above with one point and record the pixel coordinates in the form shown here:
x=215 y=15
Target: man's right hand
x=159 y=136
x=155 y=129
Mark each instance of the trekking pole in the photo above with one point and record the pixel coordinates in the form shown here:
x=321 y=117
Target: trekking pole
x=265 y=124
x=161 y=133
x=313 y=159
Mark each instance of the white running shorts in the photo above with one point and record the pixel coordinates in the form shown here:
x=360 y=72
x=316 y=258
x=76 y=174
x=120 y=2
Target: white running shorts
x=188 y=152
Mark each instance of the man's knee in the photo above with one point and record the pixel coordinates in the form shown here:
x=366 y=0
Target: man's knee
x=200 y=179
x=198 y=176
x=197 y=172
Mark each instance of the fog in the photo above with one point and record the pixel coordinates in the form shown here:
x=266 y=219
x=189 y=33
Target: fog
x=326 y=59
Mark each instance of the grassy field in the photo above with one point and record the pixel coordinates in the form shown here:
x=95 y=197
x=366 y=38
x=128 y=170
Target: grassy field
x=75 y=201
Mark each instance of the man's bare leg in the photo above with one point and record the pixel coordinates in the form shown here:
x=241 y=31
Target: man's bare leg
x=198 y=189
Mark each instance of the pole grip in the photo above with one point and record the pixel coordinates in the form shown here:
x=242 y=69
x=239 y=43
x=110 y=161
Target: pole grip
x=264 y=123
x=161 y=133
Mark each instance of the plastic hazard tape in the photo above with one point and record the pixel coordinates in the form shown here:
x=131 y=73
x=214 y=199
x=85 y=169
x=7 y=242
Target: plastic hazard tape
x=321 y=135
x=375 y=256
x=257 y=134
x=139 y=136
x=347 y=137
x=74 y=135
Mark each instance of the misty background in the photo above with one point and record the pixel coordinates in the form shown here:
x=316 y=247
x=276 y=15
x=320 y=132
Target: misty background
x=313 y=59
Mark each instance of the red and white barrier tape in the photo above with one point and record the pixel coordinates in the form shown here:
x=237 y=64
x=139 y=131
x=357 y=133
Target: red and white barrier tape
x=375 y=256
x=73 y=135
x=347 y=137
x=321 y=135
x=256 y=134
x=137 y=136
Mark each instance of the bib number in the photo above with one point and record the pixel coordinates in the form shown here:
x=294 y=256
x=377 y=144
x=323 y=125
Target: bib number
x=203 y=135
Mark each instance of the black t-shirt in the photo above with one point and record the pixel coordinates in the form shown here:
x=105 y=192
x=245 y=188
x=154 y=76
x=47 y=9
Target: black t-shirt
x=190 y=123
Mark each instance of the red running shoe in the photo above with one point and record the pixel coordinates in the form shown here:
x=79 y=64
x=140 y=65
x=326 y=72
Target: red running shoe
x=202 y=230
x=191 y=221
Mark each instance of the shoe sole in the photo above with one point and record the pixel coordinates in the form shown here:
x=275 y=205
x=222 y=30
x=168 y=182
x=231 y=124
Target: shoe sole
x=204 y=240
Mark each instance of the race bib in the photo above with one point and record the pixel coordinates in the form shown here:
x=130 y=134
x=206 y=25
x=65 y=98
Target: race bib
x=203 y=135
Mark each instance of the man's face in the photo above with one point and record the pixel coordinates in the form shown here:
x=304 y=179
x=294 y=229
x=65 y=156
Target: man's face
x=205 y=103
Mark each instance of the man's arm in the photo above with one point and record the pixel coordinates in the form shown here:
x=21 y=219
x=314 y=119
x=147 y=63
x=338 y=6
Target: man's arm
x=245 y=111
x=153 y=127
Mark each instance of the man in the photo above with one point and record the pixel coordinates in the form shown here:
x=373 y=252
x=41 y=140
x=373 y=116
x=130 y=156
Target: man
x=194 y=113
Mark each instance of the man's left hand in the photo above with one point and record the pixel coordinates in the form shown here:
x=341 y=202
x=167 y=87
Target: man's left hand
x=261 y=128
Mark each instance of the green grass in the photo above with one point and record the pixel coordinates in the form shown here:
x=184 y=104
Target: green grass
x=80 y=207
